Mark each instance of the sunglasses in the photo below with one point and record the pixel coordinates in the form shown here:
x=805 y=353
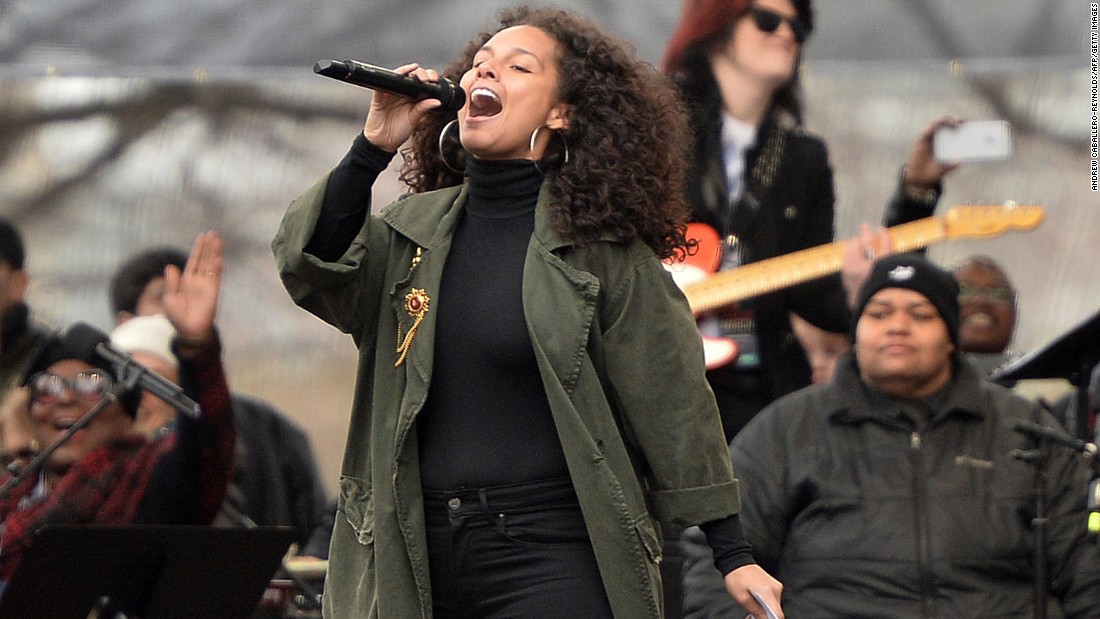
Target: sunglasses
x=90 y=385
x=995 y=294
x=768 y=21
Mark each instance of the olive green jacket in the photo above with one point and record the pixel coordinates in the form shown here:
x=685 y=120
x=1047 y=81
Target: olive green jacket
x=619 y=356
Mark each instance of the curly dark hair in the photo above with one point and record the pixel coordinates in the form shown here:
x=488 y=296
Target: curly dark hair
x=627 y=139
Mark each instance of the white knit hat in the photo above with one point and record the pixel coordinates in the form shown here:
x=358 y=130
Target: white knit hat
x=150 y=334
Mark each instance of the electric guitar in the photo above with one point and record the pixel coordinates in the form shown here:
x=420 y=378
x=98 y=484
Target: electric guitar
x=708 y=290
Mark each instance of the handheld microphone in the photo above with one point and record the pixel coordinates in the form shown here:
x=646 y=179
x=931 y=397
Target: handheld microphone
x=94 y=344
x=377 y=78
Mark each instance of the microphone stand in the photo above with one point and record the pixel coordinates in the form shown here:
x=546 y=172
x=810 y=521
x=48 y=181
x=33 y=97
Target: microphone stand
x=129 y=377
x=307 y=598
x=36 y=463
x=1038 y=457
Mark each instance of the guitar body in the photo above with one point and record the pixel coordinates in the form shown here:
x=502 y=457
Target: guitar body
x=708 y=290
x=697 y=267
x=708 y=249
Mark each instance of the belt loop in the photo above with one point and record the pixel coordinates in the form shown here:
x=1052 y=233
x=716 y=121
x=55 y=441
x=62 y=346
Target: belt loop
x=497 y=520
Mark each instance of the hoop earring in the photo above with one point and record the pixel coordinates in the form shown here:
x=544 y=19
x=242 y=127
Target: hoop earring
x=564 y=144
x=442 y=155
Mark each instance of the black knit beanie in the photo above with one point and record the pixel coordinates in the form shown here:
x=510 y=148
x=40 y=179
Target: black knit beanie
x=915 y=272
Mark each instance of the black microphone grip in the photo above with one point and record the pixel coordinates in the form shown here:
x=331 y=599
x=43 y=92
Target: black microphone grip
x=128 y=369
x=1039 y=431
x=377 y=78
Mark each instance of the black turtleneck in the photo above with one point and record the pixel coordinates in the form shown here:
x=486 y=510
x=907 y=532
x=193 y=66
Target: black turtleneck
x=487 y=420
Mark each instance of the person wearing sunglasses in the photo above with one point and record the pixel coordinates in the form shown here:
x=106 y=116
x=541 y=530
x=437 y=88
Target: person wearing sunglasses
x=988 y=301
x=765 y=185
x=111 y=471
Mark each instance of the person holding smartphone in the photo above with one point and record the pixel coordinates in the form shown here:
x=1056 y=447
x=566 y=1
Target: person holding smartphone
x=765 y=183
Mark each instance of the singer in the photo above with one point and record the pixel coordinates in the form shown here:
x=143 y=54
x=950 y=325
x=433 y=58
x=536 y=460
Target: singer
x=110 y=472
x=531 y=395
x=893 y=491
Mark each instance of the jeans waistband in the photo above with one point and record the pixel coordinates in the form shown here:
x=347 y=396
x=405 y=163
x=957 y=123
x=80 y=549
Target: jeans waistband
x=513 y=497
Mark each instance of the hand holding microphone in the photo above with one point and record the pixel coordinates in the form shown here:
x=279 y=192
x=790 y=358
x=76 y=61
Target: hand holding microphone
x=403 y=96
x=450 y=96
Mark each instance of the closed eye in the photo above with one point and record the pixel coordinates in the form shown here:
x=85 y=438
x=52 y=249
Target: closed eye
x=923 y=316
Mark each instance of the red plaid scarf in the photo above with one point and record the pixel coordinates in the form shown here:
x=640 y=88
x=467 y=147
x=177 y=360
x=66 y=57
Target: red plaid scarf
x=104 y=487
x=108 y=485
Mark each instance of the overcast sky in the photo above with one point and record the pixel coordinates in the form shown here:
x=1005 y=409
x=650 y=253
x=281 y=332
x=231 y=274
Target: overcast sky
x=236 y=38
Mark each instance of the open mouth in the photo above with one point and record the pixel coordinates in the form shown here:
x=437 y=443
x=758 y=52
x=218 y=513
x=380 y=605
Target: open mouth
x=484 y=103
x=979 y=320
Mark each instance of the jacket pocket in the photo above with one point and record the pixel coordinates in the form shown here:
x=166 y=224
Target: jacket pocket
x=356 y=503
x=651 y=544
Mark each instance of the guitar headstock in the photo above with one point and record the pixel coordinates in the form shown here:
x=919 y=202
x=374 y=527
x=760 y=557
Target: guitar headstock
x=978 y=220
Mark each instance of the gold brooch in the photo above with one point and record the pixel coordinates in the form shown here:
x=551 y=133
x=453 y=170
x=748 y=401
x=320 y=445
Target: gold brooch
x=417 y=303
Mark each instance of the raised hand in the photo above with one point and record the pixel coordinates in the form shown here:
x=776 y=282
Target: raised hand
x=191 y=295
x=922 y=170
x=859 y=258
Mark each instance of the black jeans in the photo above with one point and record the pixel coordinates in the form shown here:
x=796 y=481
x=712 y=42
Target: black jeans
x=512 y=551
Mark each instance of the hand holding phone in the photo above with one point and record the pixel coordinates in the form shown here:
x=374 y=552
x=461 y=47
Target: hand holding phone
x=767 y=609
x=979 y=140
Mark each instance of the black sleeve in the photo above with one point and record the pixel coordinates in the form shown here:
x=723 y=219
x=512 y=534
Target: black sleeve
x=907 y=205
x=347 y=199
x=727 y=540
x=823 y=302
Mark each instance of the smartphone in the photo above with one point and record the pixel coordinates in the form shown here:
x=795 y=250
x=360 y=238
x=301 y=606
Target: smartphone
x=767 y=609
x=978 y=140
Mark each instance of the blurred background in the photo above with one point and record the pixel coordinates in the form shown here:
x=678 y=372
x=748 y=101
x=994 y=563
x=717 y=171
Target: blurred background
x=130 y=123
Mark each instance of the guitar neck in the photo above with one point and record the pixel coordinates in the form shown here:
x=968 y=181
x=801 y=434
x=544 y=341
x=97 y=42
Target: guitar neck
x=757 y=278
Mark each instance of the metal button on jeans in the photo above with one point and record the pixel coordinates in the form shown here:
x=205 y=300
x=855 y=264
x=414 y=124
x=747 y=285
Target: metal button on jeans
x=454 y=503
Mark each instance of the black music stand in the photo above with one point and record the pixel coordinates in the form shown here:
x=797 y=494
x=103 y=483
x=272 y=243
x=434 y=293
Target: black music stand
x=1072 y=357
x=146 y=571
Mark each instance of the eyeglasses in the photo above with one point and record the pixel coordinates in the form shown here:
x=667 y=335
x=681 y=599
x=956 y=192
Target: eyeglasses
x=768 y=21
x=90 y=385
x=995 y=294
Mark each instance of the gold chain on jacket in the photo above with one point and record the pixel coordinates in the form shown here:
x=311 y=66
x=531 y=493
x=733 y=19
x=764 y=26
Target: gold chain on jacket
x=417 y=303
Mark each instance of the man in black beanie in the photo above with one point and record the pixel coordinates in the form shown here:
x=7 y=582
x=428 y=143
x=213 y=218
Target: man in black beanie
x=894 y=489
x=908 y=311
